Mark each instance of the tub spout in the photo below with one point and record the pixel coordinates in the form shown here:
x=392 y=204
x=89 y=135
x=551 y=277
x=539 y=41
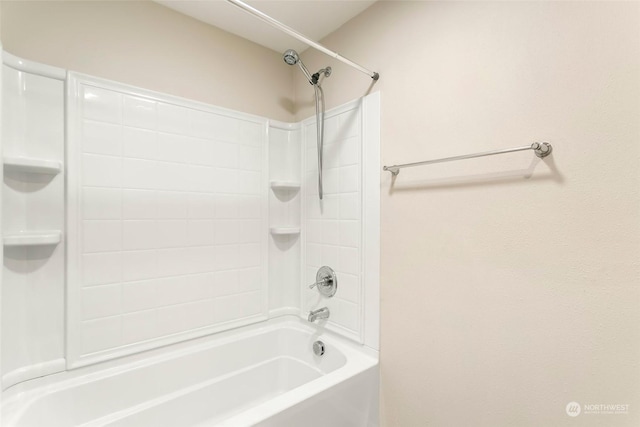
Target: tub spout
x=321 y=313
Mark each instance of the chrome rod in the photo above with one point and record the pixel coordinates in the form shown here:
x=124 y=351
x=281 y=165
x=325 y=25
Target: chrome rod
x=295 y=34
x=541 y=149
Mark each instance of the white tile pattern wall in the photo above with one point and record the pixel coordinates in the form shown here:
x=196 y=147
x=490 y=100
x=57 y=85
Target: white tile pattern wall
x=333 y=226
x=171 y=214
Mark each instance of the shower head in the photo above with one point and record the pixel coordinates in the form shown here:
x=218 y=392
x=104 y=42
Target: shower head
x=291 y=57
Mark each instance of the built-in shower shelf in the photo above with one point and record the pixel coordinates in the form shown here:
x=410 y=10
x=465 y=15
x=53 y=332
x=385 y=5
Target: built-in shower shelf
x=32 y=165
x=281 y=231
x=285 y=185
x=32 y=238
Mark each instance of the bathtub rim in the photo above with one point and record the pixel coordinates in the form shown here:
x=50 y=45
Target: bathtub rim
x=17 y=399
x=278 y=404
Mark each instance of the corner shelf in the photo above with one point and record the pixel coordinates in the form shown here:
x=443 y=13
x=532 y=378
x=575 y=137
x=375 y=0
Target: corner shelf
x=282 y=231
x=32 y=238
x=285 y=185
x=32 y=165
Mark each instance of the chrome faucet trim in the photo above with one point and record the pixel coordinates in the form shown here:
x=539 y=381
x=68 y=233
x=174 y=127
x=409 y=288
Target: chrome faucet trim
x=321 y=313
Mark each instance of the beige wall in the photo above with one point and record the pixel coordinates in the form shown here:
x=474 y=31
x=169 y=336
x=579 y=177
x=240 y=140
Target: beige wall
x=148 y=45
x=504 y=298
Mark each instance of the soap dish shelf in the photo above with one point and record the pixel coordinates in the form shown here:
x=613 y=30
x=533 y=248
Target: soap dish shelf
x=283 y=231
x=32 y=238
x=32 y=165
x=285 y=185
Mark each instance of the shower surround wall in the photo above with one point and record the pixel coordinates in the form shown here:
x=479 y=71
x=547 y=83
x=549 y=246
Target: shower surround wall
x=284 y=217
x=333 y=225
x=182 y=220
x=33 y=283
x=342 y=230
x=167 y=220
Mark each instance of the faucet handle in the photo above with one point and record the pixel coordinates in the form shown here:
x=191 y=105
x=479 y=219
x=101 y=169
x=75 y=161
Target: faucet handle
x=326 y=281
x=322 y=282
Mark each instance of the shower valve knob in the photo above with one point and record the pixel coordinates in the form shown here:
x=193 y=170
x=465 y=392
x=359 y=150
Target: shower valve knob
x=326 y=282
x=323 y=282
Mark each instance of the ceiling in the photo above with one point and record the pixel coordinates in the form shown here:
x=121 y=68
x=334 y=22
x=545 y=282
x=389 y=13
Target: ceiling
x=313 y=18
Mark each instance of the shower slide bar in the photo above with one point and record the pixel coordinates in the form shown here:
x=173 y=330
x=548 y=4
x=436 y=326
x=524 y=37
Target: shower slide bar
x=293 y=33
x=541 y=149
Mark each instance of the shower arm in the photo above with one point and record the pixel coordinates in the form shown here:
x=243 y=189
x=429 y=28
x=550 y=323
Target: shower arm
x=293 y=33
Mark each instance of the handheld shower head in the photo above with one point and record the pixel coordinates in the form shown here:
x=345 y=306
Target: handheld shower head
x=291 y=57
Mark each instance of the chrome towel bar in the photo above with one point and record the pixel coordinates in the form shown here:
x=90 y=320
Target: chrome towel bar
x=542 y=149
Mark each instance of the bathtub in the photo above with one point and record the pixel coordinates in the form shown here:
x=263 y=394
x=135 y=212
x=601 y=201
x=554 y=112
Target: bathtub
x=264 y=375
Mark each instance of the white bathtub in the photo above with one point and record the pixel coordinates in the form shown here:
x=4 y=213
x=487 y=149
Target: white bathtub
x=264 y=374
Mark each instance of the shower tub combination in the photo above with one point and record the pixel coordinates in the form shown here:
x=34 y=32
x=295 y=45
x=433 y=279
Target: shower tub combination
x=264 y=375
x=155 y=272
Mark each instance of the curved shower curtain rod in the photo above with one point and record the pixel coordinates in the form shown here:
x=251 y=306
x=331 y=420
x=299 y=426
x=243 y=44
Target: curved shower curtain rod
x=293 y=33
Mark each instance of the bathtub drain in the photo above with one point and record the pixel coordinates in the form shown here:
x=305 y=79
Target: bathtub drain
x=318 y=348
